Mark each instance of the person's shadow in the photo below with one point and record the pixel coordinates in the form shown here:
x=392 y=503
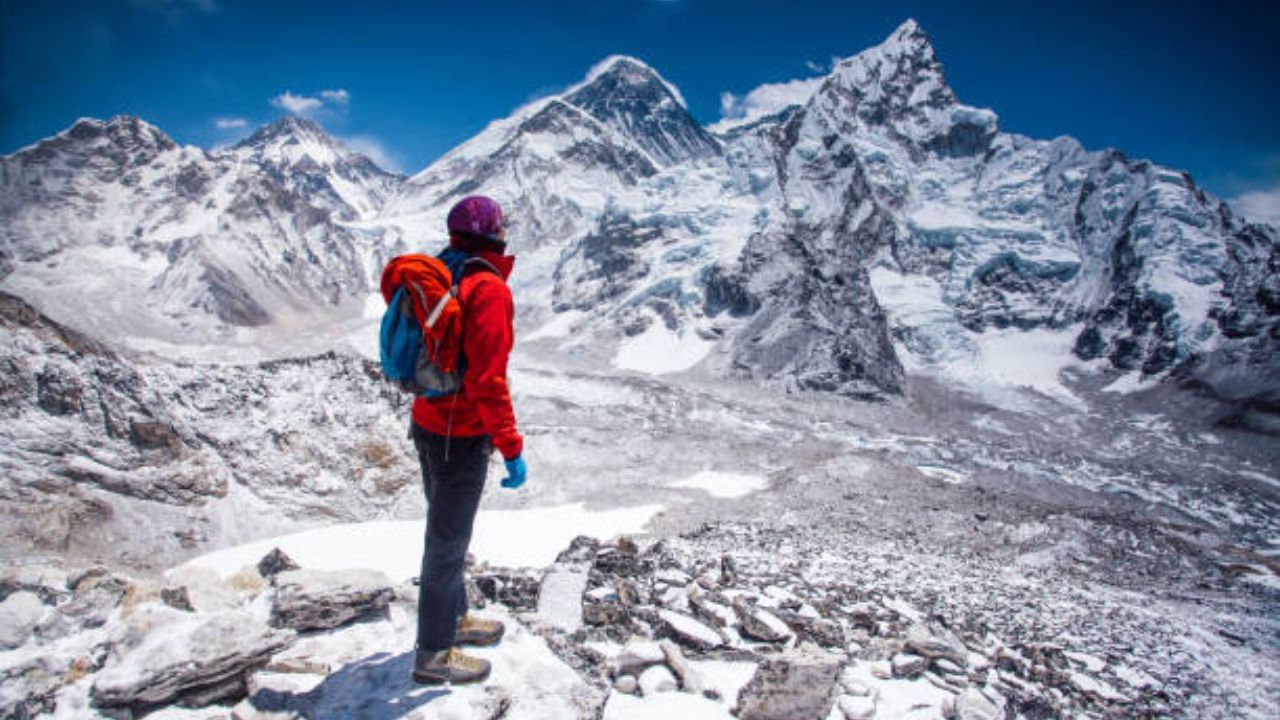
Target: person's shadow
x=378 y=687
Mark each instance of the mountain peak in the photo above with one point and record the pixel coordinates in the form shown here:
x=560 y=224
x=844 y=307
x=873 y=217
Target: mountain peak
x=902 y=71
x=287 y=128
x=629 y=96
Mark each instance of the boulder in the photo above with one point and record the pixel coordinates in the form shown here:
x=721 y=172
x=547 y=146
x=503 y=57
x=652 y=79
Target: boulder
x=276 y=562
x=936 y=644
x=906 y=665
x=324 y=599
x=690 y=680
x=798 y=685
x=657 y=679
x=191 y=661
x=973 y=705
x=688 y=631
x=636 y=656
x=857 y=707
x=20 y=613
x=760 y=624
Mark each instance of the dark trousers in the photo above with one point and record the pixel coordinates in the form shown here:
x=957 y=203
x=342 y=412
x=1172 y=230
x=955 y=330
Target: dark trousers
x=453 y=473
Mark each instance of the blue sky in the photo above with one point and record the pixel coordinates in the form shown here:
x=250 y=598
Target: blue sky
x=1192 y=85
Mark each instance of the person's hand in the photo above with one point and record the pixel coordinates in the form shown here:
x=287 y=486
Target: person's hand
x=517 y=472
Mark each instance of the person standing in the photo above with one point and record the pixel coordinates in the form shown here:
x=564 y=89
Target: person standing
x=455 y=435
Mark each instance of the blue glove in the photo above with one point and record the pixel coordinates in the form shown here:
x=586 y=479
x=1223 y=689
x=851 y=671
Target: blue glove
x=517 y=472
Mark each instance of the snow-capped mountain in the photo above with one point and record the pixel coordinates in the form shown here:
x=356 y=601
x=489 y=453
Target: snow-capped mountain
x=881 y=225
x=113 y=226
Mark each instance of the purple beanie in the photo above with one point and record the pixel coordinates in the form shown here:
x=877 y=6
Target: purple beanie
x=476 y=215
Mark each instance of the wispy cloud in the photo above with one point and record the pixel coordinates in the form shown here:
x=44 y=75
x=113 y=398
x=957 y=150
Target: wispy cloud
x=377 y=151
x=336 y=97
x=764 y=100
x=230 y=123
x=307 y=104
x=296 y=104
x=1259 y=205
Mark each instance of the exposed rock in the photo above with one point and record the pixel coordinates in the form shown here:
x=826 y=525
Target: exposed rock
x=276 y=562
x=638 y=655
x=690 y=632
x=759 y=623
x=50 y=583
x=857 y=707
x=177 y=597
x=582 y=549
x=906 y=665
x=797 y=685
x=657 y=679
x=196 y=661
x=627 y=684
x=690 y=680
x=20 y=613
x=516 y=591
x=934 y=645
x=315 y=599
x=973 y=705
x=820 y=631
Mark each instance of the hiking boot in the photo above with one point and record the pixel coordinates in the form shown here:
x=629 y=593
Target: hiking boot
x=448 y=666
x=478 y=631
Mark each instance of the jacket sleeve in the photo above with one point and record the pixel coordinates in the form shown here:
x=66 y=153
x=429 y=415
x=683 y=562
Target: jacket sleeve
x=487 y=338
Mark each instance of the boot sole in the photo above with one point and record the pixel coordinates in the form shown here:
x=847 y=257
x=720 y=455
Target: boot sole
x=480 y=642
x=439 y=680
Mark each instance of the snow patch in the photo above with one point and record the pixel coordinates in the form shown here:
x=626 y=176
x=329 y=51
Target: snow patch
x=659 y=350
x=723 y=484
x=505 y=538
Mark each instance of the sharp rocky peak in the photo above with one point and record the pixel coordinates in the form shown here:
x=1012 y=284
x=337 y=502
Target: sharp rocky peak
x=290 y=127
x=632 y=98
x=904 y=66
x=124 y=131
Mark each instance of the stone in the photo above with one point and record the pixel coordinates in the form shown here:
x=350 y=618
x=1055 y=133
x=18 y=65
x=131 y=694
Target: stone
x=322 y=599
x=517 y=592
x=882 y=670
x=799 y=684
x=934 y=645
x=582 y=549
x=973 y=705
x=857 y=707
x=627 y=684
x=177 y=597
x=690 y=632
x=908 y=666
x=276 y=562
x=657 y=679
x=728 y=571
x=192 y=660
x=818 y=630
x=20 y=614
x=49 y=583
x=760 y=624
x=690 y=680
x=604 y=613
x=948 y=667
x=636 y=656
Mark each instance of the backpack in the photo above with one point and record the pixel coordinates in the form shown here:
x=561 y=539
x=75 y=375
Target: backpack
x=420 y=341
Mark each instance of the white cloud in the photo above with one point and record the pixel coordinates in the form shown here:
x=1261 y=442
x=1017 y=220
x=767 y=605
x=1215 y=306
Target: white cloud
x=375 y=150
x=1259 y=205
x=337 y=97
x=234 y=123
x=764 y=100
x=296 y=104
x=307 y=104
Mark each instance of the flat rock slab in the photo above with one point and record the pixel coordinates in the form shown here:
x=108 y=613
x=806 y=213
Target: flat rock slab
x=193 y=661
x=798 y=685
x=325 y=599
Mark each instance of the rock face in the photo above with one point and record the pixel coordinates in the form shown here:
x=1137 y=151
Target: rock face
x=320 y=600
x=91 y=437
x=194 y=662
x=199 y=237
x=799 y=684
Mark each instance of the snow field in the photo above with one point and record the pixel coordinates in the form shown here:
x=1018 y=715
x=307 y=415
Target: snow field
x=503 y=538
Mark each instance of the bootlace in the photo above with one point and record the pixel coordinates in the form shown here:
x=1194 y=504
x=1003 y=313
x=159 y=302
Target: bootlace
x=455 y=658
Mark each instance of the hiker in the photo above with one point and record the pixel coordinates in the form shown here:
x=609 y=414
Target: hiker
x=455 y=434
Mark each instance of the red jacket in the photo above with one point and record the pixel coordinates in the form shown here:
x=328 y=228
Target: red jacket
x=483 y=405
